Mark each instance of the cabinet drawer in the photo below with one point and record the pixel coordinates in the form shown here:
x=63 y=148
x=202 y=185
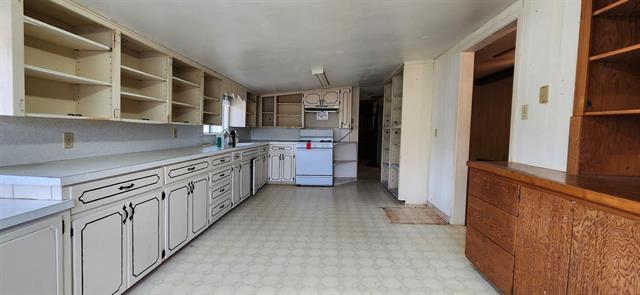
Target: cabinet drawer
x=494 y=190
x=221 y=206
x=499 y=226
x=264 y=149
x=493 y=262
x=250 y=154
x=218 y=190
x=236 y=157
x=97 y=193
x=218 y=161
x=183 y=170
x=220 y=175
x=281 y=148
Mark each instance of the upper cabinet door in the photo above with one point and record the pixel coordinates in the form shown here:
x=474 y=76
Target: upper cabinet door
x=145 y=235
x=312 y=98
x=98 y=252
x=331 y=97
x=345 y=108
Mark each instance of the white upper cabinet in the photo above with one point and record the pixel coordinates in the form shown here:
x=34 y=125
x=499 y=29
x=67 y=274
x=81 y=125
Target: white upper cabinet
x=331 y=97
x=312 y=98
x=345 y=108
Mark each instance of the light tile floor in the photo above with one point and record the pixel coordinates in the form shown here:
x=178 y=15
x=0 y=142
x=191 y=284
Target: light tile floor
x=291 y=240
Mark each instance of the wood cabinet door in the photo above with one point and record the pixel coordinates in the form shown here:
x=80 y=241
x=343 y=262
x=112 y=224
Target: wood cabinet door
x=199 y=204
x=605 y=255
x=245 y=190
x=288 y=168
x=345 y=108
x=99 y=254
x=235 y=184
x=312 y=98
x=265 y=169
x=144 y=230
x=331 y=97
x=31 y=258
x=275 y=168
x=543 y=243
x=176 y=212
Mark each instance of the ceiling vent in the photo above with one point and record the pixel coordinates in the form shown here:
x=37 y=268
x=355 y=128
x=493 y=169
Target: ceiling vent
x=318 y=72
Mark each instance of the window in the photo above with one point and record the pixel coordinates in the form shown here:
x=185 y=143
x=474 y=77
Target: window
x=215 y=129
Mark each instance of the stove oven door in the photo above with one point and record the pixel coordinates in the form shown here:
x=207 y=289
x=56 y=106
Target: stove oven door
x=314 y=162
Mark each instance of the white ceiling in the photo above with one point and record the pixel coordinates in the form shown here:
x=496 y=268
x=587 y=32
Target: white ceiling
x=271 y=45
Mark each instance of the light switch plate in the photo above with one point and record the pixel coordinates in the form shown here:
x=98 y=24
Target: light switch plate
x=544 y=94
x=524 y=112
x=436 y=132
x=67 y=139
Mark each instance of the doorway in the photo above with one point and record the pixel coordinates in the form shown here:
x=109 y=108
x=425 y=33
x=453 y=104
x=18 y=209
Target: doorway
x=493 y=71
x=369 y=133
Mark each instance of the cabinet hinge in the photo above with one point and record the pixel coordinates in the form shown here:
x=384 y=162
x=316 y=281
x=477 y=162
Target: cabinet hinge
x=63 y=227
x=163 y=195
x=163 y=254
x=71 y=231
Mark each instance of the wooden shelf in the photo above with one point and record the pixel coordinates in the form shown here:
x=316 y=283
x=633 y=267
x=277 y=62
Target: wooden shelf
x=40 y=115
x=210 y=113
x=290 y=103
x=184 y=105
x=47 y=74
x=613 y=113
x=55 y=35
x=344 y=161
x=184 y=83
x=211 y=98
x=140 y=97
x=627 y=54
x=139 y=75
x=283 y=115
x=620 y=8
x=141 y=121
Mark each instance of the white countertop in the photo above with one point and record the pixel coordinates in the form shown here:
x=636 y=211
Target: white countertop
x=69 y=172
x=17 y=211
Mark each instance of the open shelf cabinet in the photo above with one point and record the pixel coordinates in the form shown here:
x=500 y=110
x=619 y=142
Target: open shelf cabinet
x=289 y=110
x=144 y=90
x=212 y=101
x=252 y=110
x=267 y=111
x=187 y=95
x=604 y=128
x=68 y=63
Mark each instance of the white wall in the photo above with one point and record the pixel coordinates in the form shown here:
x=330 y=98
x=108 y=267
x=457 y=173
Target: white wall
x=30 y=140
x=546 y=55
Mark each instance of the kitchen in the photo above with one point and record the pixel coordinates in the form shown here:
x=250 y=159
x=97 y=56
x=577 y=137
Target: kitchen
x=219 y=155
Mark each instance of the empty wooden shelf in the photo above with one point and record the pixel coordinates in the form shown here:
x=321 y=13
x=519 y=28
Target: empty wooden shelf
x=47 y=74
x=619 y=8
x=139 y=97
x=46 y=32
x=630 y=54
x=184 y=83
x=139 y=75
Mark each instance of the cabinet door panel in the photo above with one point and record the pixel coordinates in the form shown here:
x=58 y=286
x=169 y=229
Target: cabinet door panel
x=275 y=169
x=494 y=262
x=235 y=183
x=543 y=243
x=246 y=180
x=331 y=97
x=199 y=205
x=265 y=169
x=312 y=99
x=288 y=168
x=145 y=242
x=99 y=252
x=605 y=256
x=31 y=259
x=176 y=217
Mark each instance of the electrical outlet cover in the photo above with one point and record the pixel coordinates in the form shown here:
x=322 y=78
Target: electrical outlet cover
x=524 y=112
x=67 y=139
x=544 y=94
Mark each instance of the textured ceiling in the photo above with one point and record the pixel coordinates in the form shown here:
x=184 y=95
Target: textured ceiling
x=271 y=45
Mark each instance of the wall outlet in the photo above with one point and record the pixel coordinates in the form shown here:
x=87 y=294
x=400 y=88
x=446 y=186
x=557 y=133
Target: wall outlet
x=174 y=132
x=524 y=112
x=544 y=94
x=67 y=140
x=435 y=132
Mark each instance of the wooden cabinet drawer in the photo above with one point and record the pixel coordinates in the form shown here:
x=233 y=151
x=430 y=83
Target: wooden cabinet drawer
x=222 y=160
x=248 y=154
x=220 y=175
x=236 y=157
x=97 y=193
x=218 y=190
x=264 y=149
x=498 y=225
x=494 y=190
x=184 y=170
x=281 y=148
x=220 y=207
x=493 y=262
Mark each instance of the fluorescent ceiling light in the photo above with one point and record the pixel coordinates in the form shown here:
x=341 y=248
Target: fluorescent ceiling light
x=322 y=78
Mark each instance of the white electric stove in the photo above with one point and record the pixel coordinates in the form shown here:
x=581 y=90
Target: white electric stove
x=314 y=157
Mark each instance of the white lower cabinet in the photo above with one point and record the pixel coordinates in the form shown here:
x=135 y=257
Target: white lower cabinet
x=245 y=182
x=236 y=177
x=199 y=204
x=265 y=169
x=275 y=167
x=288 y=168
x=99 y=255
x=176 y=216
x=31 y=258
x=144 y=231
x=282 y=168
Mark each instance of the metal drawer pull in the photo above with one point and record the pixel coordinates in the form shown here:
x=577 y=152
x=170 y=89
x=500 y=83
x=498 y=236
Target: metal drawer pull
x=191 y=168
x=125 y=187
x=221 y=190
x=124 y=208
x=221 y=174
x=223 y=160
x=221 y=206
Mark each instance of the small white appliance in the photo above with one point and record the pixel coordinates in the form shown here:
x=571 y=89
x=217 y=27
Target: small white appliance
x=314 y=157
